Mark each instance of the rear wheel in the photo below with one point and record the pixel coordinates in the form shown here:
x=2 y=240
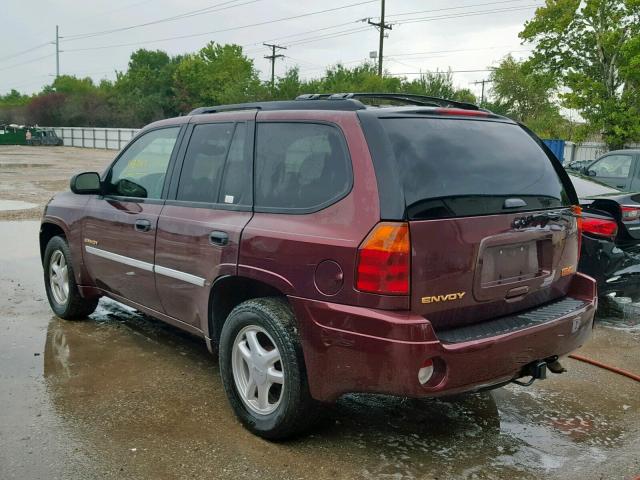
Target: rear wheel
x=60 y=284
x=263 y=370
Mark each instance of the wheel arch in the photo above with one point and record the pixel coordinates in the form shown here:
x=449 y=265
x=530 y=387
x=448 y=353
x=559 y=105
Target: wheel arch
x=48 y=230
x=229 y=291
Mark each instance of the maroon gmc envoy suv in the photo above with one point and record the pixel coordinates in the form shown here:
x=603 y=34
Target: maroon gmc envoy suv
x=383 y=243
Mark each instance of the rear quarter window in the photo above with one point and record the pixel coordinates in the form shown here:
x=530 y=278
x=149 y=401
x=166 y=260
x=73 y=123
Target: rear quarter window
x=456 y=167
x=300 y=167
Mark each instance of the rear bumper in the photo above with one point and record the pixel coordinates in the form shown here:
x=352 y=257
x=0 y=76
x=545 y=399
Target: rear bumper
x=353 y=349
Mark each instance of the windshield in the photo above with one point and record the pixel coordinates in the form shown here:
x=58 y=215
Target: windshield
x=454 y=167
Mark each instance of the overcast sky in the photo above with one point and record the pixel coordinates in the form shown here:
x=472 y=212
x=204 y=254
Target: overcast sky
x=426 y=35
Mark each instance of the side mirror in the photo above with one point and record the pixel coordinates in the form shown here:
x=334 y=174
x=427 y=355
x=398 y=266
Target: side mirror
x=591 y=173
x=85 y=183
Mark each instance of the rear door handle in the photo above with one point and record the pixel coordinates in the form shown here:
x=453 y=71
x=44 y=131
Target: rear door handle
x=218 y=238
x=142 y=225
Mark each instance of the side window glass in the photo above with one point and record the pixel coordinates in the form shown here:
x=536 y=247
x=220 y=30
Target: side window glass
x=141 y=170
x=204 y=162
x=300 y=165
x=614 y=166
x=236 y=183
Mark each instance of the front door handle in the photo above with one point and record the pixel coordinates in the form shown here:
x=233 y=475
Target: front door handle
x=218 y=238
x=142 y=225
x=620 y=186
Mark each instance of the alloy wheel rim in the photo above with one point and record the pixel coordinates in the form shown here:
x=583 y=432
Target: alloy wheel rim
x=59 y=277
x=257 y=370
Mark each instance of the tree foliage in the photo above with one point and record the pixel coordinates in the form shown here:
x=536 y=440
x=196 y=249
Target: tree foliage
x=526 y=95
x=156 y=85
x=592 y=46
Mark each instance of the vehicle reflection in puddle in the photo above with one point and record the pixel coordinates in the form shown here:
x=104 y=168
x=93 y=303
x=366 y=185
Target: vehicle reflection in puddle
x=125 y=381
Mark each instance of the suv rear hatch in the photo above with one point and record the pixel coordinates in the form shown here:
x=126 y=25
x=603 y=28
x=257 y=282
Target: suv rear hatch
x=492 y=227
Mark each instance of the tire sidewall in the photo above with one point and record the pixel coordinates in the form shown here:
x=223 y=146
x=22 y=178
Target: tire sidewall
x=55 y=244
x=263 y=425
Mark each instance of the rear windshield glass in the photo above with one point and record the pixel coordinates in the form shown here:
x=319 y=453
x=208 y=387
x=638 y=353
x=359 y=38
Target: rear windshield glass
x=455 y=168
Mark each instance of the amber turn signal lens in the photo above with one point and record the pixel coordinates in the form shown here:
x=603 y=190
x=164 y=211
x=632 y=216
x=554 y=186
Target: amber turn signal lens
x=383 y=264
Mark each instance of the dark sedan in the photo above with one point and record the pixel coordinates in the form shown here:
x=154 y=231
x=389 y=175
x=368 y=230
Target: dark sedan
x=611 y=236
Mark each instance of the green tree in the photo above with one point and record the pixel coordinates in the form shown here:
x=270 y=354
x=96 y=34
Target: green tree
x=13 y=99
x=71 y=85
x=593 y=48
x=289 y=86
x=362 y=78
x=144 y=92
x=217 y=74
x=521 y=93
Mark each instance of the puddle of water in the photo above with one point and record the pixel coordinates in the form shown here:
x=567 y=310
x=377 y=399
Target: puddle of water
x=10 y=205
x=620 y=314
x=140 y=399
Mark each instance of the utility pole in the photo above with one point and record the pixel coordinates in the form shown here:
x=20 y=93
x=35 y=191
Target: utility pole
x=273 y=57
x=483 y=81
x=381 y=27
x=57 y=53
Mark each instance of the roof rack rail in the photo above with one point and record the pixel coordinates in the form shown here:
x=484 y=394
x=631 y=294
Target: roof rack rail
x=224 y=108
x=408 y=98
x=319 y=104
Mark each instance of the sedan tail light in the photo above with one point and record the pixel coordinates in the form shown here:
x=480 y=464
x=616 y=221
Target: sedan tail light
x=600 y=227
x=577 y=212
x=384 y=259
x=629 y=213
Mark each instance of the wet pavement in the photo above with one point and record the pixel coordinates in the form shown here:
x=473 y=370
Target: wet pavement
x=125 y=396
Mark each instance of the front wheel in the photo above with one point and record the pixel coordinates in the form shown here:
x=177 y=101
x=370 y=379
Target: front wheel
x=59 y=280
x=263 y=370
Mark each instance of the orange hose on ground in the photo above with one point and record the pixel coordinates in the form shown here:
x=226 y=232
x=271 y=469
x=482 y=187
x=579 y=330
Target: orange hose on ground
x=617 y=370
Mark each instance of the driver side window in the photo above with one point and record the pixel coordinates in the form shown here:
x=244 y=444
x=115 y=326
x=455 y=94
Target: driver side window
x=141 y=170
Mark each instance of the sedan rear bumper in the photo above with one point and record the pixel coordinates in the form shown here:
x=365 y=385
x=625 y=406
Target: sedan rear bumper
x=353 y=349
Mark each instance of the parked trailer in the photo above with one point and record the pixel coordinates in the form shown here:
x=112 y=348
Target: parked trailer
x=21 y=135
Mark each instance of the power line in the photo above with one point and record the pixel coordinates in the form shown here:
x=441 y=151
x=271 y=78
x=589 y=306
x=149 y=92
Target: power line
x=329 y=36
x=443 y=72
x=192 y=13
x=303 y=33
x=27 y=62
x=407 y=54
x=363 y=29
x=22 y=52
x=468 y=14
x=455 y=8
x=258 y=24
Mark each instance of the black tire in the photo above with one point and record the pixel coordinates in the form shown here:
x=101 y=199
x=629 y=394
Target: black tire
x=297 y=411
x=75 y=307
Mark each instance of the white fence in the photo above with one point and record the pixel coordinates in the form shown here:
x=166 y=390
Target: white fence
x=587 y=150
x=94 y=137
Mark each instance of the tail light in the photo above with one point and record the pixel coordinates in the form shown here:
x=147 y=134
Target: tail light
x=629 y=213
x=577 y=211
x=600 y=227
x=383 y=264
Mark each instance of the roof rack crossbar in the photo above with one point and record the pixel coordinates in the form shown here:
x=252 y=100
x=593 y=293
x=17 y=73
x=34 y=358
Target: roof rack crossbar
x=409 y=98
